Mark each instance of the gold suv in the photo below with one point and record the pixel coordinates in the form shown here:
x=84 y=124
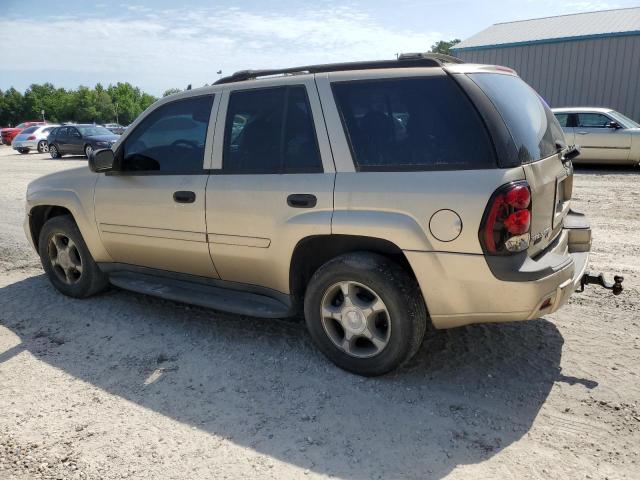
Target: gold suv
x=378 y=198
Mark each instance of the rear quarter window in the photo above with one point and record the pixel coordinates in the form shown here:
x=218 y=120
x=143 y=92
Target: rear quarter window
x=425 y=123
x=531 y=123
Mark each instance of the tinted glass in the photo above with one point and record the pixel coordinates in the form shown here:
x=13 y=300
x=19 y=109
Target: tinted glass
x=562 y=118
x=593 y=120
x=270 y=131
x=170 y=139
x=62 y=132
x=94 y=130
x=30 y=129
x=529 y=119
x=418 y=124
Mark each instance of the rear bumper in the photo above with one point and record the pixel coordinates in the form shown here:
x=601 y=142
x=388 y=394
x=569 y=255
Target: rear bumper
x=462 y=289
x=30 y=144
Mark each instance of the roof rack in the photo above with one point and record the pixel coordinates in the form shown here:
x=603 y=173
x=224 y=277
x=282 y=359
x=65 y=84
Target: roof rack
x=405 y=60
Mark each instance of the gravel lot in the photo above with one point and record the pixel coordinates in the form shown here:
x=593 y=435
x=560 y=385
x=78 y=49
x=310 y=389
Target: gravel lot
x=128 y=386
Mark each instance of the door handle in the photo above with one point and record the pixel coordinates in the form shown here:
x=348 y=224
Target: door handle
x=184 y=197
x=583 y=133
x=302 y=200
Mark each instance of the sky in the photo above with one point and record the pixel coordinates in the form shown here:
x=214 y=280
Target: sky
x=162 y=44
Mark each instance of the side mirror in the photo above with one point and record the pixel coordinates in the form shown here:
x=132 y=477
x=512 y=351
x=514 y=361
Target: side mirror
x=101 y=160
x=614 y=125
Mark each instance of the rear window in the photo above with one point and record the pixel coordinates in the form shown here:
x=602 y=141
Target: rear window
x=532 y=125
x=412 y=124
x=30 y=129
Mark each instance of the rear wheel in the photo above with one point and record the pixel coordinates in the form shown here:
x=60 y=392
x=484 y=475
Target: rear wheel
x=365 y=313
x=88 y=149
x=54 y=152
x=67 y=260
x=43 y=146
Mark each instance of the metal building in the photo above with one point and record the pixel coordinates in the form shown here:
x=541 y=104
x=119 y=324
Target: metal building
x=586 y=59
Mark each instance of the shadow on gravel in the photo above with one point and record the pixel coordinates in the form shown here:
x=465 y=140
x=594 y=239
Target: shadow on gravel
x=468 y=394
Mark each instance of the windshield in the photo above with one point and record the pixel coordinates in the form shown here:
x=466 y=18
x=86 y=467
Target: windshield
x=533 y=127
x=22 y=125
x=94 y=130
x=624 y=120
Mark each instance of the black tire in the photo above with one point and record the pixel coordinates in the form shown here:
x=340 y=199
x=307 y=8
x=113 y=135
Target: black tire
x=91 y=280
x=395 y=287
x=54 y=152
x=42 y=146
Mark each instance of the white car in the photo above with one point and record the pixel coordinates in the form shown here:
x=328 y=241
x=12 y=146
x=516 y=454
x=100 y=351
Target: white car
x=603 y=135
x=33 y=138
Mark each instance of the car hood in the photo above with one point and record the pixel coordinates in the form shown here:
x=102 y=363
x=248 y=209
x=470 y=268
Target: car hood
x=103 y=138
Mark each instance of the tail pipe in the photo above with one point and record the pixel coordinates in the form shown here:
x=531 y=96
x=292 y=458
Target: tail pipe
x=615 y=287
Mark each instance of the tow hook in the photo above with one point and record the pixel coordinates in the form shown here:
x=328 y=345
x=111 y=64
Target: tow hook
x=615 y=287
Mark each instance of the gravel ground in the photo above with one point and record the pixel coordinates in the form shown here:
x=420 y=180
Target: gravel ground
x=128 y=386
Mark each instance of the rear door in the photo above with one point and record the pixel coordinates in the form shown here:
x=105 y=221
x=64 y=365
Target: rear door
x=538 y=136
x=272 y=179
x=567 y=121
x=600 y=142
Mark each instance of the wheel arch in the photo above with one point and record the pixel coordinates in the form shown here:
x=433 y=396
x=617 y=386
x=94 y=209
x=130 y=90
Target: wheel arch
x=312 y=252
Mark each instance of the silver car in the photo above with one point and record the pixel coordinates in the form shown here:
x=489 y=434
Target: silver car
x=33 y=138
x=604 y=135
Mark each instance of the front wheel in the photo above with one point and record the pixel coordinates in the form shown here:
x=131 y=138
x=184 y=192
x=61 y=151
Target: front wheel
x=67 y=261
x=365 y=313
x=43 y=146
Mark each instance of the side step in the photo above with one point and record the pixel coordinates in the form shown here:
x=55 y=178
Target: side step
x=217 y=298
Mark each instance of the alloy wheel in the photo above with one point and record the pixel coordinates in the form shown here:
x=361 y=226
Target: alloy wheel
x=355 y=319
x=65 y=258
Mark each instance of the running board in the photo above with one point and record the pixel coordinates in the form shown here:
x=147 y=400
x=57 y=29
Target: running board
x=217 y=298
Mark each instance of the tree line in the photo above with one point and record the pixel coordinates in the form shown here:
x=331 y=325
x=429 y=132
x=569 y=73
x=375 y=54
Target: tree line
x=121 y=102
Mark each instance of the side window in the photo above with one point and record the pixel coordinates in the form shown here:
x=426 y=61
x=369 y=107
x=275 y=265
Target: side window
x=563 y=119
x=73 y=132
x=593 y=120
x=170 y=139
x=62 y=132
x=270 y=131
x=412 y=124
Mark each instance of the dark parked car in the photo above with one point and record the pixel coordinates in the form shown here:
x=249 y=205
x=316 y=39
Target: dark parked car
x=79 y=140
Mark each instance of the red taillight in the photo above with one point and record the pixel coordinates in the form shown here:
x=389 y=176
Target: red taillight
x=519 y=196
x=507 y=220
x=518 y=222
x=31 y=137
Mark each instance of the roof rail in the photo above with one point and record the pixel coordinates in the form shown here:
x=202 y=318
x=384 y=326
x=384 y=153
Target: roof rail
x=405 y=60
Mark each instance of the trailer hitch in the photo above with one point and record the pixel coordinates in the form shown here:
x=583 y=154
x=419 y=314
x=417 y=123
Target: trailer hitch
x=615 y=287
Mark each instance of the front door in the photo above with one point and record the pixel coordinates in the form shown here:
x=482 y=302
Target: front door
x=272 y=183
x=599 y=142
x=151 y=211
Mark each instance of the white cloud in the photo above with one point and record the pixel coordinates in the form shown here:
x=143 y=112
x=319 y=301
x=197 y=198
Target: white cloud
x=161 y=49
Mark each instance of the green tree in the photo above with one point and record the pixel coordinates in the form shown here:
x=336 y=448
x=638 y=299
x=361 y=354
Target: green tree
x=443 y=46
x=171 y=91
x=12 y=111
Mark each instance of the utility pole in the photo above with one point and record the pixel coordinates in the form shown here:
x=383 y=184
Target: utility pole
x=43 y=115
x=117 y=113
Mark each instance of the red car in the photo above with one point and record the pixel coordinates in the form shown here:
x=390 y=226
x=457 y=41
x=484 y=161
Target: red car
x=8 y=134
